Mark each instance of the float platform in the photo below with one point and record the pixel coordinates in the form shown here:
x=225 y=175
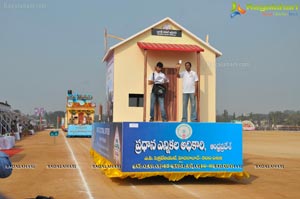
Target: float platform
x=170 y=149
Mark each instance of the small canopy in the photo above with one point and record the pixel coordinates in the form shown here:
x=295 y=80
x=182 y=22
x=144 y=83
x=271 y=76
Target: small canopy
x=170 y=47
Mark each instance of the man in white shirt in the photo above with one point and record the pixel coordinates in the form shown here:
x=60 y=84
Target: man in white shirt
x=189 y=90
x=157 y=78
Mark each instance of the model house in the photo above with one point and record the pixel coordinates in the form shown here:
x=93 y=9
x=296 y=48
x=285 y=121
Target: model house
x=131 y=62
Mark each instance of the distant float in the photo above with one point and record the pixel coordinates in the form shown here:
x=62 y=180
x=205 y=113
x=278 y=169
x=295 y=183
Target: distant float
x=79 y=115
x=248 y=125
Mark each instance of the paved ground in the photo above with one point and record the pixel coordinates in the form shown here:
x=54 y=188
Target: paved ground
x=261 y=149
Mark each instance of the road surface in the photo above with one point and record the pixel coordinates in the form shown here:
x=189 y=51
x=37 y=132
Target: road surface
x=271 y=158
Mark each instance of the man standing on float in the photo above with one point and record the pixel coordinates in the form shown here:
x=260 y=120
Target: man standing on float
x=157 y=78
x=189 y=90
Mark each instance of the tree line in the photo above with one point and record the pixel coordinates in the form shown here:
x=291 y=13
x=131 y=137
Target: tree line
x=273 y=118
x=51 y=117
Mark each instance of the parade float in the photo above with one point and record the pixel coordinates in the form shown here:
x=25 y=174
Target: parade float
x=79 y=115
x=248 y=125
x=126 y=145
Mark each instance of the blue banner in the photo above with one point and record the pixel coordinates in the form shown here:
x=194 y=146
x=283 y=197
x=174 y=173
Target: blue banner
x=80 y=130
x=182 y=147
x=107 y=141
x=170 y=147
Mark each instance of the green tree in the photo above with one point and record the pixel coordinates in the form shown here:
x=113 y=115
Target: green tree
x=51 y=117
x=226 y=116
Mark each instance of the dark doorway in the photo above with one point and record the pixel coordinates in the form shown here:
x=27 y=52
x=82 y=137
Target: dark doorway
x=171 y=96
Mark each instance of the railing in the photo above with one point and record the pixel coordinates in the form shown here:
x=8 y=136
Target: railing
x=5 y=122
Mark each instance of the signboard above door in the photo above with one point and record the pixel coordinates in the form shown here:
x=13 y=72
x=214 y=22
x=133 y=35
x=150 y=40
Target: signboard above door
x=166 y=33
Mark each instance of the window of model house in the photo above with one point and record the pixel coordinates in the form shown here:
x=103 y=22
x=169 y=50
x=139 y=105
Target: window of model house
x=136 y=100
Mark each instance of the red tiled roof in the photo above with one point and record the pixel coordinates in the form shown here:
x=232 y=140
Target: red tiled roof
x=170 y=47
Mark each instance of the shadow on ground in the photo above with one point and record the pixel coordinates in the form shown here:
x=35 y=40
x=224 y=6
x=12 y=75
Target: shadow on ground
x=159 y=180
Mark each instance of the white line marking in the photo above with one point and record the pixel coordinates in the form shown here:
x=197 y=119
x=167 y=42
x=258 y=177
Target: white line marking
x=137 y=190
x=79 y=169
x=132 y=186
x=187 y=191
x=84 y=146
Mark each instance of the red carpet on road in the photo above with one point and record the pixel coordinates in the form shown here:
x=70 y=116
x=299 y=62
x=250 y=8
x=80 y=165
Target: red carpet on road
x=11 y=152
